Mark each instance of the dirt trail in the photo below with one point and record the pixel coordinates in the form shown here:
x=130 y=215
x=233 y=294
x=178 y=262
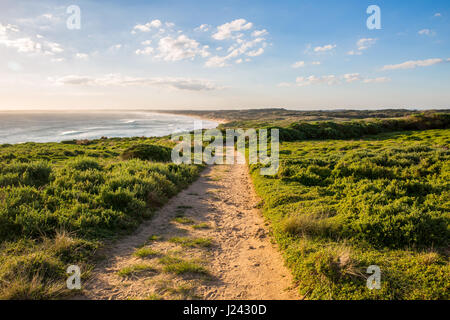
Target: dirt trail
x=241 y=261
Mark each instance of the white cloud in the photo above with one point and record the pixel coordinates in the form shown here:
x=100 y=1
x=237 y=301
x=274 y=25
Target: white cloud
x=298 y=64
x=240 y=47
x=302 y=64
x=120 y=80
x=377 y=80
x=217 y=62
x=365 y=43
x=284 y=85
x=22 y=45
x=9 y=27
x=182 y=47
x=154 y=24
x=256 y=53
x=362 y=44
x=413 y=64
x=352 y=77
x=259 y=33
x=426 y=32
x=54 y=47
x=203 y=27
x=82 y=56
x=307 y=81
x=146 y=42
x=332 y=80
x=438 y=14
x=238 y=61
x=325 y=48
x=10 y=38
x=226 y=30
x=354 y=53
x=47 y=16
x=146 y=51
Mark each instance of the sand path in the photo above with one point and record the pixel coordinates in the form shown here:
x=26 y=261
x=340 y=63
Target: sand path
x=241 y=261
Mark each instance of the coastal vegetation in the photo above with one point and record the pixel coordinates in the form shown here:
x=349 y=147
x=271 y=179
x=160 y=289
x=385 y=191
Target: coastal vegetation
x=60 y=201
x=354 y=189
x=339 y=206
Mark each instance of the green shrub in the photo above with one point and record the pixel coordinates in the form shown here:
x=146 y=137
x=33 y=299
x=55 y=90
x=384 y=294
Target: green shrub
x=337 y=207
x=82 y=188
x=30 y=174
x=84 y=164
x=147 y=152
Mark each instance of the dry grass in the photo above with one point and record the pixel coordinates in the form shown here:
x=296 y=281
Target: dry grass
x=136 y=269
x=146 y=252
x=309 y=224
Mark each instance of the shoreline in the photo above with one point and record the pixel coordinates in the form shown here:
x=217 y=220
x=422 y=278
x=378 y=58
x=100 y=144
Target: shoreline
x=218 y=120
x=59 y=139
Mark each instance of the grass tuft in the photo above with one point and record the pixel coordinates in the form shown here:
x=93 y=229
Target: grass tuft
x=146 y=252
x=196 y=242
x=203 y=225
x=183 y=220
x=180 y=266
x=136 y=269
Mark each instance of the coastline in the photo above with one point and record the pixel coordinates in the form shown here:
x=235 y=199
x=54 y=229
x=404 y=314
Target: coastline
x=17 y=128
x=218 y=120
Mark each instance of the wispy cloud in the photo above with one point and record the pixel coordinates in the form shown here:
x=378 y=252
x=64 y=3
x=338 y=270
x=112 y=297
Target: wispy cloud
x=325 y=48
x=352 y=77
x=302 y=64
x=412 y=64
x=82 y=56
x=365 y=43
x=298 y=64
x=170 y=46
x=361 y=45
x=147 y=27
x=307 y=81
x=244 y=44
x=180 y=48
x=333 y=80
x=228 y=30
x=377 y=80
x=203 y=27
x=354 y=53
x=126 y=81
x=11 y=37
x=259 y=33
x=426 y=32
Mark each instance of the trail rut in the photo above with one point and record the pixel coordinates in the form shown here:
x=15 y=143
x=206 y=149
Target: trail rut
x=213 y=225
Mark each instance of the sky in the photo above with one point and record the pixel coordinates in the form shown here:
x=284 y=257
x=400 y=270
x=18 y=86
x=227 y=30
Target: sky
x=228 y=54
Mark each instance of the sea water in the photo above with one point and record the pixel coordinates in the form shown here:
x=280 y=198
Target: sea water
x=48 y=126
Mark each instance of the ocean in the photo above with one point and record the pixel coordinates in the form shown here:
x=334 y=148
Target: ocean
x=48 y=126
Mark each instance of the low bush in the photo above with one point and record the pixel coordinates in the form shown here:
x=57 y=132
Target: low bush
x=85 y=189
x=147 y=152
x=337 y=207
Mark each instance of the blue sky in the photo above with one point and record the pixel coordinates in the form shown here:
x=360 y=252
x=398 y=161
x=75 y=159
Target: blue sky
x=224 y=54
